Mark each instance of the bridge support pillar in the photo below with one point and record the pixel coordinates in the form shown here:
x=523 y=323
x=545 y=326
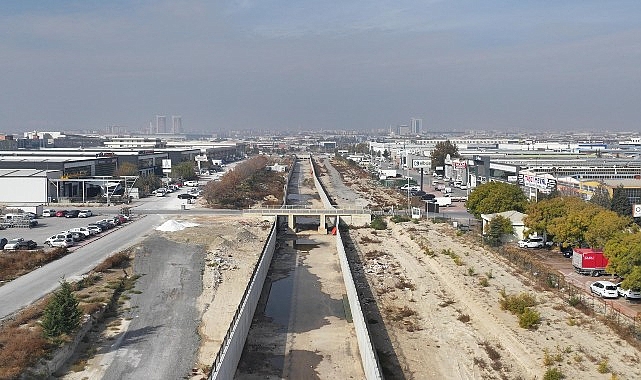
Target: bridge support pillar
x=291 y=221
x=322 y=227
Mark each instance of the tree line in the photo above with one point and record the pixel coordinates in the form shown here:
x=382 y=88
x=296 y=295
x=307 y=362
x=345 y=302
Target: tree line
x=568 y=221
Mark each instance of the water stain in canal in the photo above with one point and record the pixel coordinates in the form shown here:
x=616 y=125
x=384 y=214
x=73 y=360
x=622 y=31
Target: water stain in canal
x=279 y=301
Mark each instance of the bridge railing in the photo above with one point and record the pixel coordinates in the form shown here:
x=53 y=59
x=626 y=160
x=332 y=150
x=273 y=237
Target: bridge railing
x=306 y=211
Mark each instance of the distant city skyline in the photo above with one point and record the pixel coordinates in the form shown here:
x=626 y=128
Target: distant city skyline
x=526 y=66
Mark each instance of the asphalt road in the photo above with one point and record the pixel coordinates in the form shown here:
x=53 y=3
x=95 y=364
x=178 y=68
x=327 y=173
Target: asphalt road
x=34 y=285
x=162 y=339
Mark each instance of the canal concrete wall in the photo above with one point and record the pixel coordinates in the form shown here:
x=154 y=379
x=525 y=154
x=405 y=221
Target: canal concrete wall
x=369 y=359
x=319 y=188
x=226 y=361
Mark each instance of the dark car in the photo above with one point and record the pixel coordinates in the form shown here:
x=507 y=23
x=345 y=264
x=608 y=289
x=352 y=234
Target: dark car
x=186 y=196
x=61 y=213
x=567 y=251
x=20 y=243
x=72 y=214
x=418 y=193
x=3 y=242
x=428 y=197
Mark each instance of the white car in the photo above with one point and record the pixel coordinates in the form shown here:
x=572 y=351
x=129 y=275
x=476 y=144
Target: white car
x=534 y=242
x=605 y=289
x=48 y=212
x=59 y=243
x=628 y=293
x=94 y=229
x=410 y=188
x=83 y=230
x=85 y=214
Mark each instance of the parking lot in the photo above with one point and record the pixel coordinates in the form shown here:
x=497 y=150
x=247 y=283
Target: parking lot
x=556 y=260
x=48 y=226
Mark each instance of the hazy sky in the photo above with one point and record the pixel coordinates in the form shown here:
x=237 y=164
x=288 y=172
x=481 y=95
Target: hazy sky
x=300 y=65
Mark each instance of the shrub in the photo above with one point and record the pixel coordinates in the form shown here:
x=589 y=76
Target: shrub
x=399 y=219
x=484 y=282
x=378 y=223
x=602 y=366
x=516 y=304
x=529 y=319
x=575 y=301
x=119 y=260
x=553 y=374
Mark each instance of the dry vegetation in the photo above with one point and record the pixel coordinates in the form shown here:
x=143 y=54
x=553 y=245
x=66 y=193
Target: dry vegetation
x=14 y=264
x=22 y=344
x=248 y=184
x=362 y=182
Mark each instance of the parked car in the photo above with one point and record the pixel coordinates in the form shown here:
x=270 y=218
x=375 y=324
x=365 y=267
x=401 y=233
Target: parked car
x=190 y=183
x=628 y=293
x=61 y=213
x=48 y=212
x=72 y=214
x=407 y=187
x=95 y=229
x=3 y=242
x=605 y=289
x=20 y=243
x=59 y=240
x=187 y=196
x=62 y=243
x=85 y=214
x=121 y=218
x=75 y=236
x=83 y=230
x=534 y=242
x=101 y=226
x=108 y=222
x=428 y=197
x=418 y=193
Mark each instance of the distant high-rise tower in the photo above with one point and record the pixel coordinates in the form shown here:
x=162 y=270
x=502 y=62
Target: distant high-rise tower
x=161 y=124
x=176 y=124
x=416 y=126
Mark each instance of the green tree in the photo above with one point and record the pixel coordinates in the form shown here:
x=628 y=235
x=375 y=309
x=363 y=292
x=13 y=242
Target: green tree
x=493 y=197
x=601 y=197
x=605 y=224
x=441 y=150
x=386 y=154
x=497 y=227
x=624 y=257
x=184 y=170
x=542 y=213
x=148 y=183
x=62 y=314
x=572 y=227
x=620 y=202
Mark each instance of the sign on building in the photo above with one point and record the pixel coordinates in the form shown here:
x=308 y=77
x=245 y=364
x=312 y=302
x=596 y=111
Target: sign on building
x=418 y=163
x=166 y=166
x=536 y=182
x=636 y=211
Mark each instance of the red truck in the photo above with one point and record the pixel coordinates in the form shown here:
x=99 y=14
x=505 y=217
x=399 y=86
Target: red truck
x=589 y=261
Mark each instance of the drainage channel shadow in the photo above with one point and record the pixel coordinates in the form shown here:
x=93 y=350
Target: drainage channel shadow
x=387 y=357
